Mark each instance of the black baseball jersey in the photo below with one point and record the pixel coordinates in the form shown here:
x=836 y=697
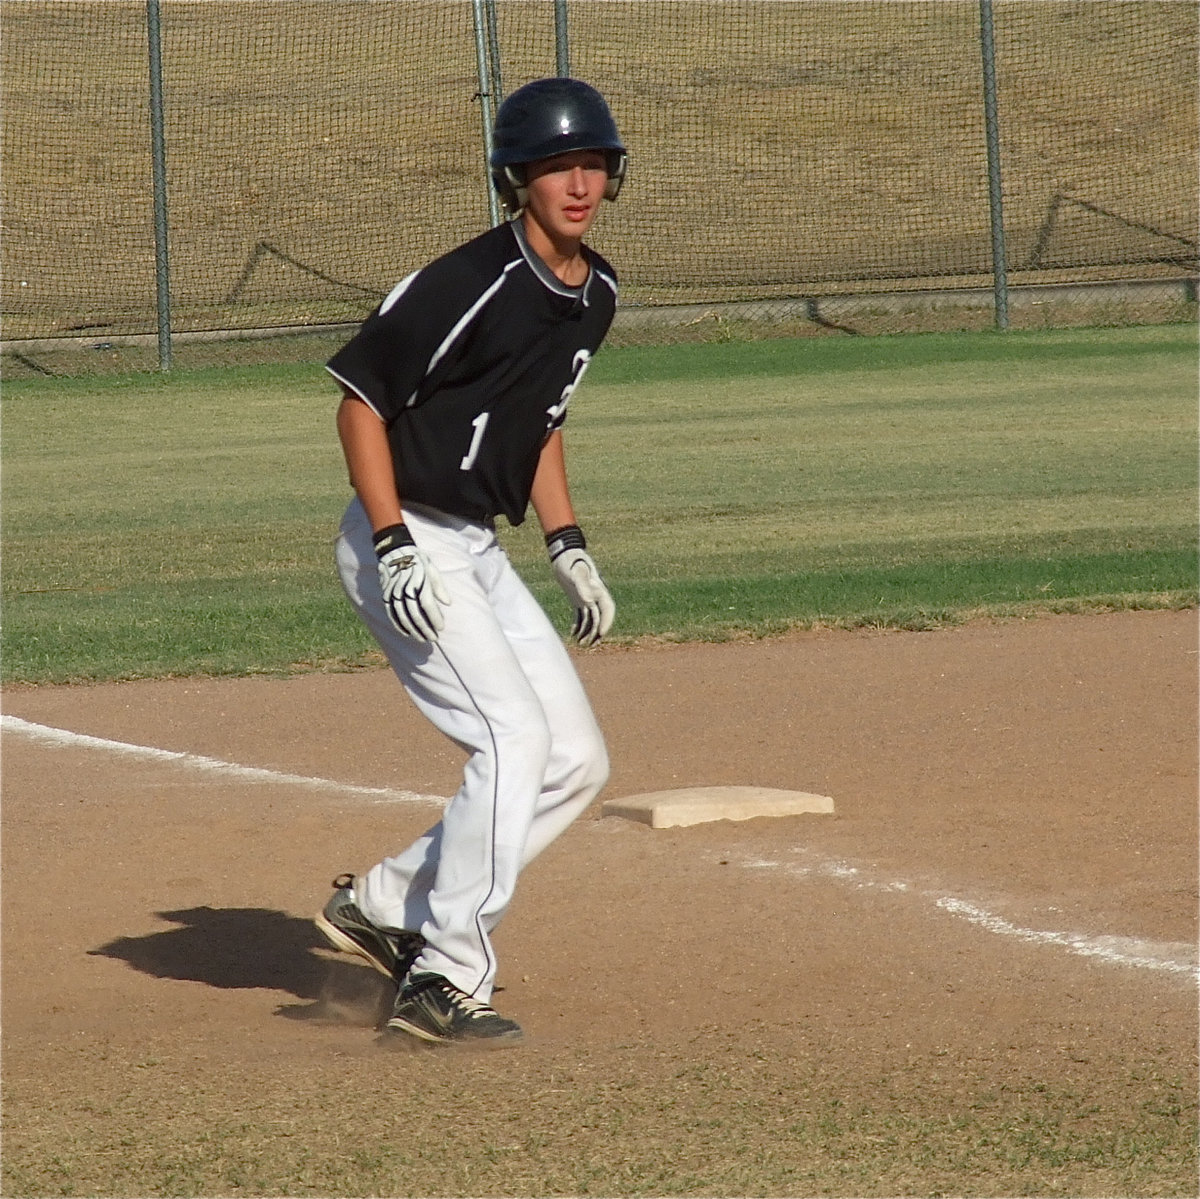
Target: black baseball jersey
x=470 y=363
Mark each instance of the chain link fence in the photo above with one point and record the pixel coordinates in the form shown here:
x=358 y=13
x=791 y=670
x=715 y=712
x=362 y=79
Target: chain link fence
x=798 y=167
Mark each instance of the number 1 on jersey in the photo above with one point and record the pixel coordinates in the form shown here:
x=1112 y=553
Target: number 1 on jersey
x=478 y=424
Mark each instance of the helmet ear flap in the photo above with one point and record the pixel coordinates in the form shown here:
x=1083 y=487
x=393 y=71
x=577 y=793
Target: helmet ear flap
x=617 y=163
x=510 y=183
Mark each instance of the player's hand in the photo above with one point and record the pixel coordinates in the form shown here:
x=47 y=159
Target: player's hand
x=413 y=591
x=580 y=580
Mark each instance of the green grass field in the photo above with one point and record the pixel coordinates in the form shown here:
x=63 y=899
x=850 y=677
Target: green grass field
x=174 y=525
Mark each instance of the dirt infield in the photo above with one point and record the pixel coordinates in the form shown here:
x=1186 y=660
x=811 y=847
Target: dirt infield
x=978 y=976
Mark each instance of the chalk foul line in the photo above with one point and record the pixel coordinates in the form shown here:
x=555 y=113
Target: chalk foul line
x=1170 y=957
x=1129 y=951
x=65 y=739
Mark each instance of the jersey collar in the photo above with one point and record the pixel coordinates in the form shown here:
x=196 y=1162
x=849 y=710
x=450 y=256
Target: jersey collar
x=544 y=273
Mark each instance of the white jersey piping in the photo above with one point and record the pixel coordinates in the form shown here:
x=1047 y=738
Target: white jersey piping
x=466 y=318
x=351 y=388
x=397 y=292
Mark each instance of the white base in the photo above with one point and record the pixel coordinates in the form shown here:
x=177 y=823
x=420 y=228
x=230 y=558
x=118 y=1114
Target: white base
x=698 y=805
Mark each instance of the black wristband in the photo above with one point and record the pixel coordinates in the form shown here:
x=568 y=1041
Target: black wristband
x=569 y=537
x=394 y=537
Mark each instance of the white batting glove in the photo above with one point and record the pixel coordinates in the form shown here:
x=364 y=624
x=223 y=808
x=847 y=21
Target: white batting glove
x=413 y=591
x=580 y=580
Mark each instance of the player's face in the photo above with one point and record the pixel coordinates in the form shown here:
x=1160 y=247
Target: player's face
x=565 y=192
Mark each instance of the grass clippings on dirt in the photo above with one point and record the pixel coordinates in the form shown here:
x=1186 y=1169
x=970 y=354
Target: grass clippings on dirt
x=731 y=1114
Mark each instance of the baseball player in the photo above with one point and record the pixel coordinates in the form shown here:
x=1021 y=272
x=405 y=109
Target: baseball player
x=455 y=392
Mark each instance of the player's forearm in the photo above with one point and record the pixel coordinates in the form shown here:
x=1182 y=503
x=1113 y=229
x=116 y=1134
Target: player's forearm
x=551 y=497
x=369 y=461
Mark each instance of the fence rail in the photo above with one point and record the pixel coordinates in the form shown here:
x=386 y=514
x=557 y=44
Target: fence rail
x=782 y=151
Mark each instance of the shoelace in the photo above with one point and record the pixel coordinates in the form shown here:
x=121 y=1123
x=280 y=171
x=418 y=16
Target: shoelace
x=474 y=1008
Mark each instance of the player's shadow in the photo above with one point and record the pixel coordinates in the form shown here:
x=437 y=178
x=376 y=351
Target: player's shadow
x=258 y=948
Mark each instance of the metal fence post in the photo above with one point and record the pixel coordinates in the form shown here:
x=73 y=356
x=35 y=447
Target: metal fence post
x=493 y=39
x=158 y=155
x=562 y=50
x=987 y=42
x=483 y=67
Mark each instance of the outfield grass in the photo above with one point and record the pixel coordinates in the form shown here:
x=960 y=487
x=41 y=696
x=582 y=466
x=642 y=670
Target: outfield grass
x=181 y=525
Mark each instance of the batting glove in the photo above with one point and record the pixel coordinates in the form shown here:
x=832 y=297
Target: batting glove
x=578 y=577
x=413 y=591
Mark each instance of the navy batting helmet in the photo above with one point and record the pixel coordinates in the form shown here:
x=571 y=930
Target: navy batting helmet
x=548 y=117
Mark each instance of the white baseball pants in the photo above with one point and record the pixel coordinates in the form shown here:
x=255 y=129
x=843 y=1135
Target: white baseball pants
x=500 y=684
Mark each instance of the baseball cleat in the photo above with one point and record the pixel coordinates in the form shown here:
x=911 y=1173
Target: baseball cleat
x=432 y=1008
x=348 y=930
